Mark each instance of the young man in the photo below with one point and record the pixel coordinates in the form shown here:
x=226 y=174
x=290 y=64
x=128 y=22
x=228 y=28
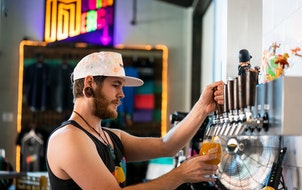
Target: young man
x=83 y=155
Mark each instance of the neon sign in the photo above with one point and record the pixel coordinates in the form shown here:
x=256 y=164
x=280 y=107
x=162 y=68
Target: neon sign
x=79 y=20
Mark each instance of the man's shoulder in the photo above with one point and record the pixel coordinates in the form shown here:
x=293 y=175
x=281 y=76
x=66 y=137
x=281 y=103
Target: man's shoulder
x=66 y=132
x=117 y=132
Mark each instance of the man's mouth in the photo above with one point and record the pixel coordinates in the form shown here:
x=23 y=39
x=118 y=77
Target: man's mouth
x=116 y=103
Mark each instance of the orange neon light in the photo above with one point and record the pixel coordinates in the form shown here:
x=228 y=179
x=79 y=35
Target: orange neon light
x=164 y=100
x=69 y=17
x=20 y=91
x=50 y=21
x=62 y=20
x=75 y=22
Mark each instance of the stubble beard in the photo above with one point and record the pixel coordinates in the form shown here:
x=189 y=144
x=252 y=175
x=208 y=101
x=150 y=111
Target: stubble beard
x=101 y=106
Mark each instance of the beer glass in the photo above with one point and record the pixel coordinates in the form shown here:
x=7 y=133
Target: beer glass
x=212 y=146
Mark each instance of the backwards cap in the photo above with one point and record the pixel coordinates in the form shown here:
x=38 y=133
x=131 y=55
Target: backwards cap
x=104 y=64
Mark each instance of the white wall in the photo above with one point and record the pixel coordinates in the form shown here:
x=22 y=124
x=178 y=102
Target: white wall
x=207 y=58
x=238 y=25
x=244 y=31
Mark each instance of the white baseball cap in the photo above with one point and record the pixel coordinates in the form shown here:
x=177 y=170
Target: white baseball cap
x=104 y=64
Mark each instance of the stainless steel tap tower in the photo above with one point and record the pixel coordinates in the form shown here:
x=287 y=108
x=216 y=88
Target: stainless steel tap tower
x=259 y=109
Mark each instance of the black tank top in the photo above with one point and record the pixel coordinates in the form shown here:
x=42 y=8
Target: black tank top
x=117 y=167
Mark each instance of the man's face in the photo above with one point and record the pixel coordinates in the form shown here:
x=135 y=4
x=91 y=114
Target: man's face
x=107 y=98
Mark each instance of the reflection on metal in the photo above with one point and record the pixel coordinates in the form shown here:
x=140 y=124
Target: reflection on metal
x=247 y=161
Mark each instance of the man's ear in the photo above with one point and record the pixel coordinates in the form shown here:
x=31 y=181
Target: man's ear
x=88 y=81
x=88 y=90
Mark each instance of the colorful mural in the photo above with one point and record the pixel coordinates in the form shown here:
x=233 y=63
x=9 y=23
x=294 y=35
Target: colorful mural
x=90 y=21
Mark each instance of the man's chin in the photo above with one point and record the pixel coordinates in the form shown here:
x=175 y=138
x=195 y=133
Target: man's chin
x=107 y=115
x=113 y=114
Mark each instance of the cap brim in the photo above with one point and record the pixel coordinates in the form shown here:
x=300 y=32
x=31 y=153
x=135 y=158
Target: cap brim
x=132 y=81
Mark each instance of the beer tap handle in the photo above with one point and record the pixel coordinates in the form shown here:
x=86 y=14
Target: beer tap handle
x=236 y=94
x=251 y=83
x=219 y=107
x=225 y=94
x=230 y=92
x=242 y=91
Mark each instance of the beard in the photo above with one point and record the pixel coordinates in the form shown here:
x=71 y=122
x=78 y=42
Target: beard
x=101 y=106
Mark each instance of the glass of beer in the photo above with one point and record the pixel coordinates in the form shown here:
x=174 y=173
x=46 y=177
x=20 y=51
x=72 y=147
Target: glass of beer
x=212 y=146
